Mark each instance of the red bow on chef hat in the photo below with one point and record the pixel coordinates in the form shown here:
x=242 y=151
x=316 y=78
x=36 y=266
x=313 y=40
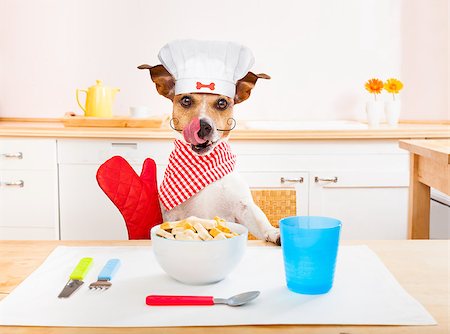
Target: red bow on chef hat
x=135 y=196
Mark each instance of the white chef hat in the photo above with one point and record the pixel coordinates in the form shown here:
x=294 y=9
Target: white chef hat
x=206 y=66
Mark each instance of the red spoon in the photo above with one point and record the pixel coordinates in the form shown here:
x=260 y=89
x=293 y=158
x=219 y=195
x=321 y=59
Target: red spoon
x=165 y=300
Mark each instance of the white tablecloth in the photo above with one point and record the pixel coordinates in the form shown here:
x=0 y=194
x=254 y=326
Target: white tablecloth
x=365 y=293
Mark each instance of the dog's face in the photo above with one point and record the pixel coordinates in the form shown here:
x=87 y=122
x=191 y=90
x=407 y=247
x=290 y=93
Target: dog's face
x=204 y=119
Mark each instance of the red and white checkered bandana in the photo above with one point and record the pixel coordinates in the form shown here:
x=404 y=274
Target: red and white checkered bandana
x=188 y=173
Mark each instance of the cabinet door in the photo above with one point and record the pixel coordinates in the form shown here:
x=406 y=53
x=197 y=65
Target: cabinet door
x=371 y=205
x=28 y=189
x=86 y=213
x=27 y=154
x=28 y=233
x=90 y=151
x=282 y=180
x=28 y=204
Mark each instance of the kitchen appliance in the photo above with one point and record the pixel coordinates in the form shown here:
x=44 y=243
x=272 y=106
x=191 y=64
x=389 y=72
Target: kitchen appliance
x=99 y=100
x=439 y=215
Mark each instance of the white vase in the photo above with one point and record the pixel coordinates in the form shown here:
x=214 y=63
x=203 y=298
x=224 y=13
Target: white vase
x=374 y=110
x=392 y=109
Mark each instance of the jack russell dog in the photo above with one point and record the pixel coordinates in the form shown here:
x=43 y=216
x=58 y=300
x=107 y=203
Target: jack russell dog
x=205 y=120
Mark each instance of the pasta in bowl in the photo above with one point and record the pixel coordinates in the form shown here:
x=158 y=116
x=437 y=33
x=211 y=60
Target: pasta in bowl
x=194 y=257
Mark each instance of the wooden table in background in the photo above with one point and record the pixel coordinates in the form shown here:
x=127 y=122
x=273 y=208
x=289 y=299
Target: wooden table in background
x=420 y=266
x=430 y=167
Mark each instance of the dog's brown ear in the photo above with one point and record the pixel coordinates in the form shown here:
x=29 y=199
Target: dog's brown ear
x=164 y=81
x=245 y=85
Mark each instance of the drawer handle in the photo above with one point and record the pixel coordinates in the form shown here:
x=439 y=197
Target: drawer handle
x=317 y=179
x=19 y=183
x=127 y=145
x=295 y=180
x=17 y=155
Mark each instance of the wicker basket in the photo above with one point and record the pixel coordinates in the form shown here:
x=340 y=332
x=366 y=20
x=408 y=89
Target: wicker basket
x=275 y=203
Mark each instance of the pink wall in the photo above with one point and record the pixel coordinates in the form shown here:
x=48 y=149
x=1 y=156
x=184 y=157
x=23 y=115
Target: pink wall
x=319 y=53
x=425 y=57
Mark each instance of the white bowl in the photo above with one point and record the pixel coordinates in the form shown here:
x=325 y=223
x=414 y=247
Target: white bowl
x=200 y=262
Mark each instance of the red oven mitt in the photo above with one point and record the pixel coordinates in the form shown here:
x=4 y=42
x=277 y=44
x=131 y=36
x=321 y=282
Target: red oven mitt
x=135 y=197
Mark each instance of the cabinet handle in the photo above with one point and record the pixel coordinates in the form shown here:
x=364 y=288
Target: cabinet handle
x=317 y=179
x=16 y=155
x=296 y=180
x=19 y=183
x=127 y=145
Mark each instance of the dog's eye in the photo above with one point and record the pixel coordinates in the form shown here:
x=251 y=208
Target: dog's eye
x=222 y=104
x=186 y=101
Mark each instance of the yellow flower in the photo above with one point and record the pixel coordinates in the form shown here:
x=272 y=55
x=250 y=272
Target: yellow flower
x=393 y=86
x=374 y=86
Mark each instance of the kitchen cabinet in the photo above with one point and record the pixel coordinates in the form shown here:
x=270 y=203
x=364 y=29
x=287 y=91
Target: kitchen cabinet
x=28 y=189
x=362 y=183
x=371 y=205
x=86 y=213
x=369 y=195
x=299 y=181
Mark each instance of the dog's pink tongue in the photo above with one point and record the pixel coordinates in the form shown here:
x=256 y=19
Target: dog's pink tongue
x=190 y=132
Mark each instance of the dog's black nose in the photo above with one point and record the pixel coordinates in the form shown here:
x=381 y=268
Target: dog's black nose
x=205 y=129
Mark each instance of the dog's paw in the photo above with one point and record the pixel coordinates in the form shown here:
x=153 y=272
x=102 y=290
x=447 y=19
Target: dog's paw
x=278 y=242
x=274 y=236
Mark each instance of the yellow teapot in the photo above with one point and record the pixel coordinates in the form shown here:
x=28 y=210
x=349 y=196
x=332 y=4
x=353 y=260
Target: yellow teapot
x=99 y=100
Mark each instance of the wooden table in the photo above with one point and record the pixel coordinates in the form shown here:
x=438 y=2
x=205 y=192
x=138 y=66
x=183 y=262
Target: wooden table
x=430 y=167
x=421 y=267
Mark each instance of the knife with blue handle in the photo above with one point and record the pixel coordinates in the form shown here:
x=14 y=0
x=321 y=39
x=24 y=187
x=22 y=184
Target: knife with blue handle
x=106 y=275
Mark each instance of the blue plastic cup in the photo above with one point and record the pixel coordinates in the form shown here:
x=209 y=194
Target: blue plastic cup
x=310 y=246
